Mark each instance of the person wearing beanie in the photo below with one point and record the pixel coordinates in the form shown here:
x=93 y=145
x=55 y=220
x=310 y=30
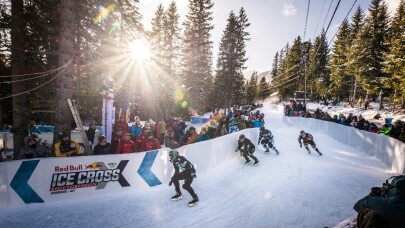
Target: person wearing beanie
x=126 y=145
x=102 y=147
x=32 y=149
x=170 y=141
x=140 y=139
x=150 y=143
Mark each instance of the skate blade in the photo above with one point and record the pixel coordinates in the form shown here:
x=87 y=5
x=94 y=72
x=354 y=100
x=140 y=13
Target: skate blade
x=192 y=204
x=256 y=164
x=177 y=199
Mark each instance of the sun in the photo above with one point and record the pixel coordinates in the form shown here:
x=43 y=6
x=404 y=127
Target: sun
x=139 y=50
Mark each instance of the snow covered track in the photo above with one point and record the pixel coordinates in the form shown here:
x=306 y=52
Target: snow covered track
x=293 y=189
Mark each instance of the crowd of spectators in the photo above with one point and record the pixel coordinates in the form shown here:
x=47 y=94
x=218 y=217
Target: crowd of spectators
x=150 y=135
x=395 y=130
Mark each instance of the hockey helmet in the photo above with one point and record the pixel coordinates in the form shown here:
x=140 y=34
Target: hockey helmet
x=302 y=132
x=241 y=137
x=262 y=128
x=173 y=154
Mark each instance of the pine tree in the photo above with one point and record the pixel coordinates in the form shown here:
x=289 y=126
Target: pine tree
x=372 y=47
x=318 y=73
x=263 y=90
x=20 y=100
x=157 y=36
x=251 y=88
x=197 y=53
x=226 y=69
x=292 y=65
x=353 y=64
x=394 y=64
x=340 y=77
x=229 y=80
x=274 y=69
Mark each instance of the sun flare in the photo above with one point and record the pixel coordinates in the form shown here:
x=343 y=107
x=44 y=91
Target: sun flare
x=139 y=50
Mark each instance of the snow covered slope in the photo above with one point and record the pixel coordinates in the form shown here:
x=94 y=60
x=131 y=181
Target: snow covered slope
x=291 y=190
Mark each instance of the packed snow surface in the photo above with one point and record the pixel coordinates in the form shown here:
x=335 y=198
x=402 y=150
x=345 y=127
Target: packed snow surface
x=294 y=189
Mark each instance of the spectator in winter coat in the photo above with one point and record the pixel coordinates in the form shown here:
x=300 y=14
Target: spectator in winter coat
x=150 y=143
x=91 y=132
x=136 y=129
x=396 y=129
x=401 y=136
x=373 y=128
x=191 y=136
x=170 y=141
x=386 y=130
x=66 y=147
x=102 y=147
x=139 y=140
x=162 y=132
x=32 y=149
x=390 y=207
x=121 y=124
x=203 y=136
x=126 y=145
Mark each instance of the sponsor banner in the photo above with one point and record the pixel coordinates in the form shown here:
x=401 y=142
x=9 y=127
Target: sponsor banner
x=53 y=179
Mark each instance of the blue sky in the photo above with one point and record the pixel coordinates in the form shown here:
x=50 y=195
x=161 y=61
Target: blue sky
x=273 y=22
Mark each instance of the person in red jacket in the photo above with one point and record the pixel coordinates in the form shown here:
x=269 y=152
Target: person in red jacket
x=150 y=143
x=140 y=139
x=125 y=146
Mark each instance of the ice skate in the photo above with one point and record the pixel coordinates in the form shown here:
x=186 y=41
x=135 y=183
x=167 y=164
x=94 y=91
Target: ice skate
x=248 y=162
x=177 y=197
x=193 y=202
x=256 y=162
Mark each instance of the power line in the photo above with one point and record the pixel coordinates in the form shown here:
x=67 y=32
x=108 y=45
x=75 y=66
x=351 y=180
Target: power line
x=319 y=18
x=17 y=94
x=333 y=15
x=29 y=74
x=330 y=5
x=27 y=79
x=341 y=23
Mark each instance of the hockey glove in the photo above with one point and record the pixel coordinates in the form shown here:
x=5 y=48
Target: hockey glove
x=170 y=183
x=193 y=175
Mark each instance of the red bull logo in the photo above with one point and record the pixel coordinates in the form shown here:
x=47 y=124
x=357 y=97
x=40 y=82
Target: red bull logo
x=94 y=166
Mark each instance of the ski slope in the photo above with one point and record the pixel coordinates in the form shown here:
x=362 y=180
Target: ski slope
x=294 y=189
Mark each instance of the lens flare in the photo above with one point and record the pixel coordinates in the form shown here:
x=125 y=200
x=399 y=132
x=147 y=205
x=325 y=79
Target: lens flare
x=184 y=104
x=103 y=13
x=178 y=95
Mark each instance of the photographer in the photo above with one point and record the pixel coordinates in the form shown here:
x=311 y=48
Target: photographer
x=386 y=203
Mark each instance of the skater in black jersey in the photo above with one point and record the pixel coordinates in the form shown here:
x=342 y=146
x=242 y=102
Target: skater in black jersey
x=247 y=148
x=183 y=170
x=268 y=139
x=308 y=139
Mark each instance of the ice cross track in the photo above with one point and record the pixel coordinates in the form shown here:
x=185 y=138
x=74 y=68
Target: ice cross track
x=293 y=189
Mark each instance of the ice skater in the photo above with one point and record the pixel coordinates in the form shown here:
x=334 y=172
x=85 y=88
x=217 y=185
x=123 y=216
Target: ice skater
x=308 y=139
x=268 y=140
x=183 y=170
x=247 y=148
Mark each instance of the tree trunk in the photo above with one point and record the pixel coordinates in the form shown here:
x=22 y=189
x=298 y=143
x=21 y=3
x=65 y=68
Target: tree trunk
x=63 y=117
x=20 y=102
